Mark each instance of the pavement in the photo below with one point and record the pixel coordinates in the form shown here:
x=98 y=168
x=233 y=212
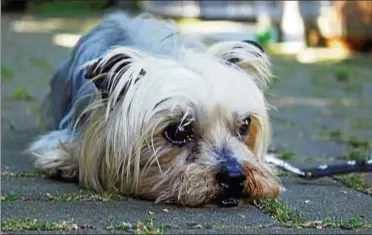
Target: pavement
x=323 y=115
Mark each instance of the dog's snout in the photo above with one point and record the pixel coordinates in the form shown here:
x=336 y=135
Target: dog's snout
x=231 y=178
x=232 y=182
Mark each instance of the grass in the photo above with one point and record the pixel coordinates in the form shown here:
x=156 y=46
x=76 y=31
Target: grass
x=84 y=196
x=36 y=225
x=345 y=77
x=341 y=137
x=22 y=94
x=356 y=182
x=357 y=142
x=88 y=196
x=65 y=7
x=34 y=110
x=352 y=223
x=329 y=222
x=287 y=218
x=147 y=227
x=279 y=211
x=6 y=74
x=12 y=196
x=287 y=155
x=358 y=149
x=355 y=154
x=362 y=123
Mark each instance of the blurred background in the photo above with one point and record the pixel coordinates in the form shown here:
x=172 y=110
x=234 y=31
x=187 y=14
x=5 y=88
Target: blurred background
x=321 y=52
x=344 y=25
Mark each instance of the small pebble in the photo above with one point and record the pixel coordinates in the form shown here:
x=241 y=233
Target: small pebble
x=198 y=226
x=319 y=227
x=150 y=212
x=165 y=210
x=307 y=201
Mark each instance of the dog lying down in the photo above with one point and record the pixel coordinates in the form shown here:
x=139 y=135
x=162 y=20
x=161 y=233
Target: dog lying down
x=140 y=109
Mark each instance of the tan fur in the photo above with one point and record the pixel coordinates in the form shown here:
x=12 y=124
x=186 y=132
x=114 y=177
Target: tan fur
x=259 y=135
x=261 y=182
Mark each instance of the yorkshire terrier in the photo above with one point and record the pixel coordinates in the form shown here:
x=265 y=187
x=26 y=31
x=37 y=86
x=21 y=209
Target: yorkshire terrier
x=139 y=109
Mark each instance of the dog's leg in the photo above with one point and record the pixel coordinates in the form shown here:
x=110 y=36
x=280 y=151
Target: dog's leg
x=53 y=154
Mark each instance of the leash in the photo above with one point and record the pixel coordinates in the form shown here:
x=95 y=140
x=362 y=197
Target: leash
x=356 y=166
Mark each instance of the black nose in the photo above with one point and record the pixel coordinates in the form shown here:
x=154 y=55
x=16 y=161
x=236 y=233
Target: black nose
x=231 y=178
x=232 y=183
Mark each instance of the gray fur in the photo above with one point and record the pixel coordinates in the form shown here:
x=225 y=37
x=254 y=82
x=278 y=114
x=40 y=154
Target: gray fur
x=68 y=86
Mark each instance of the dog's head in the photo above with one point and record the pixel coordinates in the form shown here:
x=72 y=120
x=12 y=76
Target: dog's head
x=192 y=129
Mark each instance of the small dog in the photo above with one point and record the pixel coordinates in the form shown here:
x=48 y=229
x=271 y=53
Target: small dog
x=139 y=109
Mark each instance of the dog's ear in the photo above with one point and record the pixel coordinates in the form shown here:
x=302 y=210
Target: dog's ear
x=106 y=71
x=247 y=55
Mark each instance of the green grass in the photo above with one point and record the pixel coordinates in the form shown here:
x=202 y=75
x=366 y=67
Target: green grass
x=356 y=182
x=66 y=7
x=355 y=154
x=279 y=211
x=362 y=123
x=349 y=78
x=12 y=196
x=6 y=74
x=147 y=227
x=83 y=196
x=358 y=149
x=352 y=223
x=341 y=137
x=34 y=111
x=287 y=155
x=21 y=94
x=287 y=218
x=329 y=222
x=36 y=225
x=357 y=142
x=88 y=196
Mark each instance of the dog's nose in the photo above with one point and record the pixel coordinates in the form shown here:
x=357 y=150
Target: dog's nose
x=232 y=182
x=231 y=178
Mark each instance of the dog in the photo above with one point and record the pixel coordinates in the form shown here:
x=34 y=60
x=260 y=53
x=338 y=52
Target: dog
x=141 y=110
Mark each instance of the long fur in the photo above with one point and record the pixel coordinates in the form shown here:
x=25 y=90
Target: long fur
x=153 y=76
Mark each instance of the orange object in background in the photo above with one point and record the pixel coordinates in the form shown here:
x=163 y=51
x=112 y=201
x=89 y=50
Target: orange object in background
x=355 y=18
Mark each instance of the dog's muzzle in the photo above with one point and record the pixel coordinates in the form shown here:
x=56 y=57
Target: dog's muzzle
x=231 y=178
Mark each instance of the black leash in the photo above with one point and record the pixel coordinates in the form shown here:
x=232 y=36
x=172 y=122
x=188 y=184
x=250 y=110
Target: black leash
x=355 y=166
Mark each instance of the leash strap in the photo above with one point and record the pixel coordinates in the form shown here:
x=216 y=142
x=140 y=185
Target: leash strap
x=356 y=166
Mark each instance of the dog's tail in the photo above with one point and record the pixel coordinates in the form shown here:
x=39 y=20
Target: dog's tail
x=53 y=155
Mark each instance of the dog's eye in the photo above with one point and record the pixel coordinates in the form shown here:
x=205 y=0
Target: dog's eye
x=178 y=134
x=244 y=128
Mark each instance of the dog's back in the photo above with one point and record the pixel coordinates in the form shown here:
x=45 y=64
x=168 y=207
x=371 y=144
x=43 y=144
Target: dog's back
x=117 y=29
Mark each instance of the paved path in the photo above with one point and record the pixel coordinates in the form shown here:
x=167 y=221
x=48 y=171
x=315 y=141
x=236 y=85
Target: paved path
x=324 y=115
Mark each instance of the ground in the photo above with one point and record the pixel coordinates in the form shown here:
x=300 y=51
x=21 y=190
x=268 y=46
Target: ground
x=323 y=115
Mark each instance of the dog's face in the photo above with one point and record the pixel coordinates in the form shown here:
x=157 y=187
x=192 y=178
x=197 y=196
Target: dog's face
x=192 y=130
